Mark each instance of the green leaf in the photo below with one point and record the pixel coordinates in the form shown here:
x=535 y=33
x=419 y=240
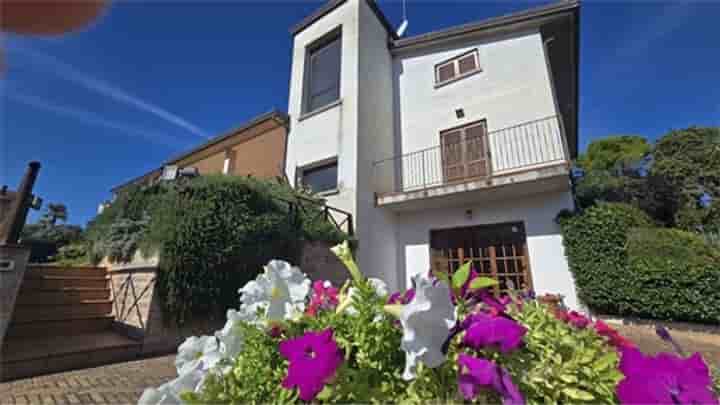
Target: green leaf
x=578 y=394
x=461 y=275
x=482 y=282
x=442 y=276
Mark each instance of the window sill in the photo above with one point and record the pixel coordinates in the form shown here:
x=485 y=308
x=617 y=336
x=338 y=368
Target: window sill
x=320 y=110
x=328 y=193
x=455 y=79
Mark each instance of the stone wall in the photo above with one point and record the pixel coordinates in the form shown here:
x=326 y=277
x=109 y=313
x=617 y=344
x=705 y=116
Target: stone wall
x=137 y=308
x=320 y=263
x=13 y=262
x=138 y=314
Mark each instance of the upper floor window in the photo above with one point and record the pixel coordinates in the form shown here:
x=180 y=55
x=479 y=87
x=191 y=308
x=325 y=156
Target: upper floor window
x=322 y=78
x=457 y=67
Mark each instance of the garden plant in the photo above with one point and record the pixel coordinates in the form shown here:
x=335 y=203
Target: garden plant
x=447 y=339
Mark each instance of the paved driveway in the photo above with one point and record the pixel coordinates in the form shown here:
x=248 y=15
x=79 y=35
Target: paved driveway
x=123 y=383
x=114 y=384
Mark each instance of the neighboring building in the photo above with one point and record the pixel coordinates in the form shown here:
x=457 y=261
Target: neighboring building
x=448 y=146
x=256 y=148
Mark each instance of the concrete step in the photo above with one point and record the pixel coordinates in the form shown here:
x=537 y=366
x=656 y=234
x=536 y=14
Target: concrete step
x=42 y=355
x=42 y=270
x=64 y=296
x=60 y=282
x=67 y=327
x=87 y=308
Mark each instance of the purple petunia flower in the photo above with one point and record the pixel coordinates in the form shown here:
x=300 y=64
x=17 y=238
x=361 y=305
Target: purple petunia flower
x=314 y=358
x=477 y=374
x=495 y=305
x=665 y=379
x=486 y=330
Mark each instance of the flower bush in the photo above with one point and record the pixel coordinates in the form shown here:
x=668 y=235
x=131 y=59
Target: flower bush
x=447 y=339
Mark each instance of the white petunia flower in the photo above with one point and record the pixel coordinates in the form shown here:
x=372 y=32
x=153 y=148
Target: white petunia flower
x=169 y=393
x=426 y=323
x=230 y=336
x=197 y=353
x=161 y=395
x=279 y=292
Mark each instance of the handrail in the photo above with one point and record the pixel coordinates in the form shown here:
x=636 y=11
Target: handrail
x=517 y=147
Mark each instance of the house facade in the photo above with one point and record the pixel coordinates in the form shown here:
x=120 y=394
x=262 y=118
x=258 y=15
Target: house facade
x=449 y=146
x=255 y=148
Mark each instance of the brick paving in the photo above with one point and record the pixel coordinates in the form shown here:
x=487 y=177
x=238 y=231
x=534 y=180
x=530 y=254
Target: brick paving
x=123 y=383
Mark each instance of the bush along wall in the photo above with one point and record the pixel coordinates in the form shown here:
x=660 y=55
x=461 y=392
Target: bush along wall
x=212 y=235
x=624 y=265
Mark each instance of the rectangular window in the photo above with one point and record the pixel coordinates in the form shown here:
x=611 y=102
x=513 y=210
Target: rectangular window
x=457 y=67
x=320 y=178
x=322 y=78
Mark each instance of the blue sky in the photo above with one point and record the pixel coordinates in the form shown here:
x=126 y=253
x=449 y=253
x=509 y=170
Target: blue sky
x=151 y=79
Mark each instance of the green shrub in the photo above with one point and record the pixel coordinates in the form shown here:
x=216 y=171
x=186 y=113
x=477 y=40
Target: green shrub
x=212 y=234
x=673 y=275
x=625 y=266
x=595 y=247
x=74 y=254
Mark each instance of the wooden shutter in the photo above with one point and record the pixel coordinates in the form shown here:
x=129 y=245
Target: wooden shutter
x=445 y=72
x=452 y=155
x=467 y=63
x=476 y=155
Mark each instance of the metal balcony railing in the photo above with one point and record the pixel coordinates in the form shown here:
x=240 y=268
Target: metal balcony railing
x=524 y=146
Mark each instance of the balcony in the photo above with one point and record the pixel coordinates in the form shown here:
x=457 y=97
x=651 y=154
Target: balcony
x=471 y=164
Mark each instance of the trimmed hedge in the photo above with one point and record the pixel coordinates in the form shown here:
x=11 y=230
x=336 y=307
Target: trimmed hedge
x=672 y=275
x=623 y=265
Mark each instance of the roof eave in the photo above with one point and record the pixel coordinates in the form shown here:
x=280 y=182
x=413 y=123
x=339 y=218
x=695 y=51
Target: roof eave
x=536 y=15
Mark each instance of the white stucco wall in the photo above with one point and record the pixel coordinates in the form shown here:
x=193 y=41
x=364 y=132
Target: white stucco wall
x=548 y=263
x=513 y=88
x=377 y=249
x=332 y=132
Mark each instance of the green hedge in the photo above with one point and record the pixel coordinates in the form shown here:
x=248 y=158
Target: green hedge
x=624 y=265
x=673 y=275
x=213 y=234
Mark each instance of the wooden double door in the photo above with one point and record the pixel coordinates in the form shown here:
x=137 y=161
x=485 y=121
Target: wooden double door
x=465 y=152
x=498 y=251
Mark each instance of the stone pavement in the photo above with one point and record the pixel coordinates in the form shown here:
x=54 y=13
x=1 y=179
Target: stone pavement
x=121 y=383
x=124 y=382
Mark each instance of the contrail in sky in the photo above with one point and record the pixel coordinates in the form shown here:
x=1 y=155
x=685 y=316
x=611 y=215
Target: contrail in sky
x=67 y=72
x=91 y=118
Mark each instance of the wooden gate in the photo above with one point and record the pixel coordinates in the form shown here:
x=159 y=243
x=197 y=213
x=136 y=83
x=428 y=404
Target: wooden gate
x=497 y=251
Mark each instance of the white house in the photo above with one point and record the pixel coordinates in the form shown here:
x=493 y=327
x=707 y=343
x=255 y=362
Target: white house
x=448 y=146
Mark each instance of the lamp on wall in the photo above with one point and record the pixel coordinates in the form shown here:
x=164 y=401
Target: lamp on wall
x=468 y=214
x=460 y=113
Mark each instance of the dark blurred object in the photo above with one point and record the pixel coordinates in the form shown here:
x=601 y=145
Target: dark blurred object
x=48 y=17
x=14 y=218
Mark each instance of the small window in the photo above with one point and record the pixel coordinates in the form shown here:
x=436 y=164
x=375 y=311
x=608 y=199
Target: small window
x=320 y=178
x=457 y=67
x=322 y=79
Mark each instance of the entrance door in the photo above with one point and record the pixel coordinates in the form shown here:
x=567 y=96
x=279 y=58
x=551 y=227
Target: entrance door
x=496 y=251
x=465 y=152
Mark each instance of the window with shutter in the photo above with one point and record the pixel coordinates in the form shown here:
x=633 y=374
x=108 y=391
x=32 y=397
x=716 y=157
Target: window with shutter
x=457 y=67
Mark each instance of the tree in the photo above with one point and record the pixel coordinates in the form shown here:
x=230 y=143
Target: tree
x=614 y=152
x=55 y=212
x=689 y=161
